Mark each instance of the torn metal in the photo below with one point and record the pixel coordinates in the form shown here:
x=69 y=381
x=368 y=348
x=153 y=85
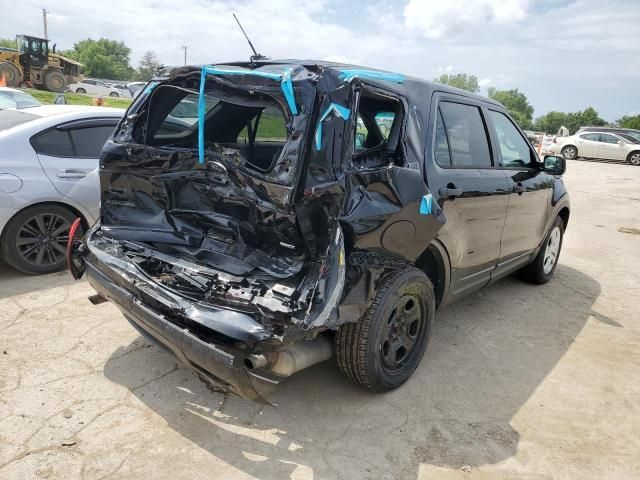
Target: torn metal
x=241 y=216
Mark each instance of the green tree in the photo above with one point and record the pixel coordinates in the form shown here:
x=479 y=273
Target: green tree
x=516 y=103
x=8 y=43
x=552 y=121
x=629 y=122
x=460 y=80
x=103 y=58
x=149 y=65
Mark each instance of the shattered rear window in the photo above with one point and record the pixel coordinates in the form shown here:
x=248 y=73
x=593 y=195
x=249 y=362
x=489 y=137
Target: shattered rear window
x=253 y=125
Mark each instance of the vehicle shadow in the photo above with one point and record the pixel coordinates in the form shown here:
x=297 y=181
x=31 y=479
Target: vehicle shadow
x=13 y=282
x=489 y=353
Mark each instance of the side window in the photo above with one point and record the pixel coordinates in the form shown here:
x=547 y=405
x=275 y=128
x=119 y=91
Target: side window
x=606 y=138
x=467 y=136
x=184 y=115
x=88 y=142
x=384 y=121
x=361 y=134
x=514 y=149
x=441 y=144
x=271 y=126
x=592 y=137
x=56 y=143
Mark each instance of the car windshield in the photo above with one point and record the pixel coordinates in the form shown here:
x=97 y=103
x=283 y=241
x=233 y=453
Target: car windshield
x=629 y=137
x=635 y=135
x=17 y=99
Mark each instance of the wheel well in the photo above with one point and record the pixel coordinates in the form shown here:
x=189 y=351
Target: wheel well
x=632 y=152
x=569 y=145
x=75 y=211
x=564 y=215
x=432 y=263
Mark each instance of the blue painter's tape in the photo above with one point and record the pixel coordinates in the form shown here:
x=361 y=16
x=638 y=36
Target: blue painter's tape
x=287 y=89
x=201 y=106
x=426 y=204
x=341 y=111
x=349 y=74
x=149 y=88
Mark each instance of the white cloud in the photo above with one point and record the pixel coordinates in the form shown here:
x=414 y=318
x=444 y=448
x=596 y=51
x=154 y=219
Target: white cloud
x=484 y=82
x=435 y=19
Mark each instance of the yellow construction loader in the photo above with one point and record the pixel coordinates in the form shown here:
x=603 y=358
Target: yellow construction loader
x=33 y=65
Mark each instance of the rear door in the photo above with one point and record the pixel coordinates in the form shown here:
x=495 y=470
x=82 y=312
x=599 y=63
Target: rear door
x=530 y=193
x=588 y=145
x=69 y=156
x=472 y=193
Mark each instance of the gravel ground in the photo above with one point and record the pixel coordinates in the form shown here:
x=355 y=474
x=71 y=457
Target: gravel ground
x=518 y=382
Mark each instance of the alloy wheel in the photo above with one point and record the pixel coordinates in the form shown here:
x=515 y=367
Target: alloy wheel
x=42 y=239
x=401 y=333
x=551 y=250
x=635 y=159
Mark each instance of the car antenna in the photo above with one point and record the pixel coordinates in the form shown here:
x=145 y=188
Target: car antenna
x=256 y=56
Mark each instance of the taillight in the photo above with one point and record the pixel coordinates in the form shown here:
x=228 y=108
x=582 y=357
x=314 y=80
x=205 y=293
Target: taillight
x=76 y=267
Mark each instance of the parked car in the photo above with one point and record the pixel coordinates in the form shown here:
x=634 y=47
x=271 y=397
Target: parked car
x=95 y=88
x=122 y=90
x=592 y=144
x=13 y=99
x=617 y=130
x=48 y=161
x=262 y=238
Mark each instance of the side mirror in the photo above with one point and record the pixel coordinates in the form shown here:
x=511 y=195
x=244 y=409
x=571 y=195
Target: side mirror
x=554 y=165
x=620 y=142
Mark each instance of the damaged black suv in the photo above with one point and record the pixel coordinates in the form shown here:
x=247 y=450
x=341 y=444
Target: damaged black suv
x=257 y=218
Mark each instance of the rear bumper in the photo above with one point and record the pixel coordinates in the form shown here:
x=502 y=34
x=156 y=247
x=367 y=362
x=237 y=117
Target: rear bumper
x=217 y=364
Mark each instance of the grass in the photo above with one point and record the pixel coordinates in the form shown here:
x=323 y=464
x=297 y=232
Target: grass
x=48 y=98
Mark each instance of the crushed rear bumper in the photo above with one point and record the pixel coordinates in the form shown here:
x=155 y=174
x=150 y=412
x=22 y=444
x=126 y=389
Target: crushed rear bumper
x=217 y=364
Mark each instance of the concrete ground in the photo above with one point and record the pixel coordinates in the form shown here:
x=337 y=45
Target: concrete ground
x=518 y=382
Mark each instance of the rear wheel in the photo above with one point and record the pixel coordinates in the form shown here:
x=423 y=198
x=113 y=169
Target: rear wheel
x=80 y=90
x=114 y=94
x=570 y=153
x=383 y=349
x=55 y=81
x=10 y=73
x=541 y=269
x=35 y=239
x=634 y=158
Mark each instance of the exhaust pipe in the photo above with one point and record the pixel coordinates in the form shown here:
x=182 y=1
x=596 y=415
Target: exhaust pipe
x=294 y=358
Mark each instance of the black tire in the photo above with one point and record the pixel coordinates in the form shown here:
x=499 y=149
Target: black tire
x=570 y=152
x=114 y=95
x=360 y=347
x=634 y=158
x=11 y=74
x=23 y=239
x=80 y=90
x=536 y=272
x=55 y=81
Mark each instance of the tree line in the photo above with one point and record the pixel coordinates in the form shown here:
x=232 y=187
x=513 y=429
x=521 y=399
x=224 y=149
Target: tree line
x=108 y=59
x=521 y=110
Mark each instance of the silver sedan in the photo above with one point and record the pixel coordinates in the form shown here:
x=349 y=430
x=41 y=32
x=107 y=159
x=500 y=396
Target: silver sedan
x=48 y=177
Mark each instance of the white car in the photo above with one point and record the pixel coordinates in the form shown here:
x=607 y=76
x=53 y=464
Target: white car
x=604 y=145
x=48 y=177
x=96 y=88
x=13 y=99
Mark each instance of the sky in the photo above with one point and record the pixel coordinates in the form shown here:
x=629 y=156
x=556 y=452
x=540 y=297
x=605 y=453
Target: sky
x=565 y=55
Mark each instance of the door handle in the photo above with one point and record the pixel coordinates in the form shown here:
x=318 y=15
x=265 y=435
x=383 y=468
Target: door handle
x=72 y=174
x=519 y=188
x=450 y=192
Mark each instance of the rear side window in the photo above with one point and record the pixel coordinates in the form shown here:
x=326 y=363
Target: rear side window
x=441 y=150
x=54 y=142
x=514 y=149
x=79 y=143
x=593 y=137
x=466 y=135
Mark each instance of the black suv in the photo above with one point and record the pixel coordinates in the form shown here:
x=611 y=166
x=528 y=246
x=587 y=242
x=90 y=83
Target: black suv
x=259 y=217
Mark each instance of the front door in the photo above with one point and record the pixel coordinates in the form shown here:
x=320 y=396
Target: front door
x=472 y=193
x=69 y=157
x=612 y=147
x=530 y=193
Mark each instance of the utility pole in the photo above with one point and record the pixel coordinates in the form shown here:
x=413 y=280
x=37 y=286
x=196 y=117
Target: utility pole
x=44 y=19
x=184 y=47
